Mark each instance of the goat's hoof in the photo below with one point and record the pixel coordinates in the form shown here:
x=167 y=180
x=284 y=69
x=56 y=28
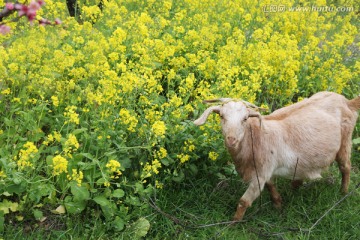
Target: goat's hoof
x=237 y=218
x=295 y=184
x=277 y=205
x=344 y=191
x=235 y=221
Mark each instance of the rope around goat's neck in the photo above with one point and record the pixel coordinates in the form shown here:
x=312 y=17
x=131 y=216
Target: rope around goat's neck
x=253 y=157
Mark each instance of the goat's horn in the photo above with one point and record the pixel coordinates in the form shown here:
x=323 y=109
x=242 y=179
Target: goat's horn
x=217 y=100
x=251 y=105
x=202 y=119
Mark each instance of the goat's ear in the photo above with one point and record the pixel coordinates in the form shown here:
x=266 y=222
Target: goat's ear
x=202 y=119
x=253 y=113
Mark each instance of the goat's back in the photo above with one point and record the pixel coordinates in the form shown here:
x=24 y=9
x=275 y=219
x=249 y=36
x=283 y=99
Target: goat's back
x=329 y=102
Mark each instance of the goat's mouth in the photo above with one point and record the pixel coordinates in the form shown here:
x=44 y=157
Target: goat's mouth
x=231 y=142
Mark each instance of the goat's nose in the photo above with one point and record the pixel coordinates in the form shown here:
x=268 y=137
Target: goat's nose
x=231 y=141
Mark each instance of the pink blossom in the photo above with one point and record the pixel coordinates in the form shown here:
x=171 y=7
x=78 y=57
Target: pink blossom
x=57 y=21
x=41 y=2
x=4 y=29
x=44 y=22
x=9 y=6
x=34 y=6
x=22 y=9
x=31 y=15
x=28 y=11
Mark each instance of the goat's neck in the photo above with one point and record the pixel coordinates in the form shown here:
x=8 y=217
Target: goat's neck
x=246 y=152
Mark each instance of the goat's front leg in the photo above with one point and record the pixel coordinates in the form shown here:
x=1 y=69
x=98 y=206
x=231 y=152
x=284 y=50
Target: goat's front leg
x=253 y=191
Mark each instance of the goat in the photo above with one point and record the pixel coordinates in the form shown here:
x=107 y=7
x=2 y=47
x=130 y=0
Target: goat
x=296 y=142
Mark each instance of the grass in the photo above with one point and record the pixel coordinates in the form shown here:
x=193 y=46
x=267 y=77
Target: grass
x=200 y=209
x=202 y=204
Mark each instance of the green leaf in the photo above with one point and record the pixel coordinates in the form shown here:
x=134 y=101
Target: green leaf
x=356 y=141
x=6 y=205
x=107 y=207
x=193 y=168
x=101 y=200
x=75 y=207
x=100 y=181
x=125 y=162
x=139 y=188
x=119 y=223
x=80 y=192
x=140 y=228
x=80 y=130
x=37 y=191
x=89 y=156
x=179 y=177
x=16 y=188
x=38 y=214
x=135 y=201
x=165 y=162
x=108 y=211
x=118 y=193
x=2 y=220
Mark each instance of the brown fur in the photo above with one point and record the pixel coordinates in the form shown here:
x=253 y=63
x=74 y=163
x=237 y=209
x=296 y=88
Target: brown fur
x=275 y=196
x=354 y=104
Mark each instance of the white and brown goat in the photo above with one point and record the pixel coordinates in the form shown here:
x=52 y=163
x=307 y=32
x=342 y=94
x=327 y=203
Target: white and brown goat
x=297 y=142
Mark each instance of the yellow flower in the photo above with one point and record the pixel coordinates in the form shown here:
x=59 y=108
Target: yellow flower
x=159 y=128
x=71 y=144
x=57 y=136
x=92 y=12
x=213 y=155
x=159 y=185
x=32 y=100
x=162 y=153
x=16 y=100
x=73 y=117
x=128 y=119
x=55 y=101
x=155 y=166
x=113 y=167
x=6 y=91
x=76 y=175
x=2 y=174
x=26 y=154
x=149 y=169
x=189 y=146
x=59 y=165
x=183 y=157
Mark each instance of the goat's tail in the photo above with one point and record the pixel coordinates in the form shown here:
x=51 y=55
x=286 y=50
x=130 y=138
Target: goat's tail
x=354 y=104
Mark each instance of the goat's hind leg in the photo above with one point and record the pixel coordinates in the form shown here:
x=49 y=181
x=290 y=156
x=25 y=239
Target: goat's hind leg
x=345 y=167
x=295 y=184
x=343 y=160
x=274 y=194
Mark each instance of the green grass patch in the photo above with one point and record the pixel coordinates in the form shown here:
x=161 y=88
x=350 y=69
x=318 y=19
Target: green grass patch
x=203 y=208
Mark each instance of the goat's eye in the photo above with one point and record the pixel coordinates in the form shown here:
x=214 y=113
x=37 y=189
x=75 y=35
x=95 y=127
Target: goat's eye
x=246 y=118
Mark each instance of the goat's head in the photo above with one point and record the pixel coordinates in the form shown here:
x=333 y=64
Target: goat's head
x=234 y=115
